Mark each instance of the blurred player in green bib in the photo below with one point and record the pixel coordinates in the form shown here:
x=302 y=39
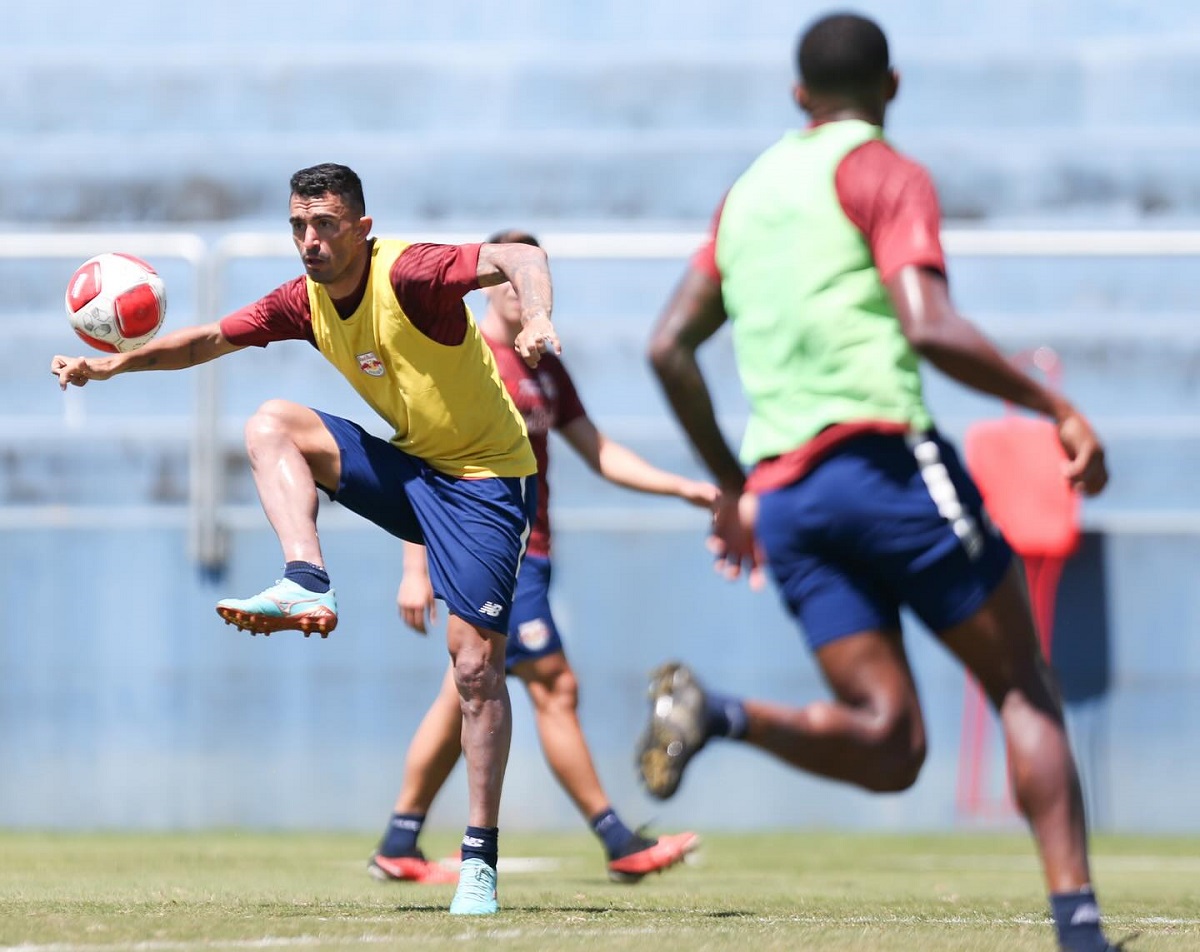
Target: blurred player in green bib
x=825 y=259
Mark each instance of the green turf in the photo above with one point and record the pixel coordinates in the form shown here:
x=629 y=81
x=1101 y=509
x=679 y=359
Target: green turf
x=746 y=893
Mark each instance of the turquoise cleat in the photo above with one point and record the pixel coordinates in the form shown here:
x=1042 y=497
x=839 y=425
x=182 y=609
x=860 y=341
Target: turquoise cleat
x=476 y=893
x=285 y=606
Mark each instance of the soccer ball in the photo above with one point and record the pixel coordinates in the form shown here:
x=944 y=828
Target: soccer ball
x=116 y=302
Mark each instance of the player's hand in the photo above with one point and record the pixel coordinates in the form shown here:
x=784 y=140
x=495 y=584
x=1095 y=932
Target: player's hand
x=76 y=370
x=538 y=336
x=1085 y=468
x=415 y=602
x=698 y=494
x=732 y=541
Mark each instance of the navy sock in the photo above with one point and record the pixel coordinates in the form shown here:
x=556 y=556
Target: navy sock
x=481 y=842
x=308 y=576
x=1077 y=919
x=724 y=716
x=615 y=835
x=400 y=837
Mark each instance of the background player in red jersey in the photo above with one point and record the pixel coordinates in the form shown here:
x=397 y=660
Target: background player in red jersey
x=456 y=474
x=548 y=400
x=826 y=261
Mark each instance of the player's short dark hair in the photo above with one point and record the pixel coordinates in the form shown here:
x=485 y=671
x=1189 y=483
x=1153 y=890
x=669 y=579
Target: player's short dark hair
x=843 y=53
x=334 y=179
x=512 y=236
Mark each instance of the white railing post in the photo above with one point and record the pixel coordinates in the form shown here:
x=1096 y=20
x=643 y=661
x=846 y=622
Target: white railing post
x=208 y=538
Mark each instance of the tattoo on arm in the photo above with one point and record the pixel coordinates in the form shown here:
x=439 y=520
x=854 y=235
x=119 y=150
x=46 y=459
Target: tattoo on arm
x=531 y=281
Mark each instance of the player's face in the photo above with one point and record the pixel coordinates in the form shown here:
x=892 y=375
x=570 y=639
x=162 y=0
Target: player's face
x=329 y=237
x=505 y=303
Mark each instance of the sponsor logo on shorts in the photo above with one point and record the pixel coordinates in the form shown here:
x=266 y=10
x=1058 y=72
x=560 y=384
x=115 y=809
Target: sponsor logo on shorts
x=491 y=609
x=534 y=635
x=369 y=363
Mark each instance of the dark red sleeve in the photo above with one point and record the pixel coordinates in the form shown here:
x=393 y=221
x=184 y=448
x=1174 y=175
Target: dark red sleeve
x=892 y=201
x=570 y=406
x=430 y=282
x=281 y=315
x=705 y=258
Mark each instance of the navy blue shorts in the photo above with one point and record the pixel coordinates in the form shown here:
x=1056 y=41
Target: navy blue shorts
x=474 y=530
x=883 y=522
x=532 y=633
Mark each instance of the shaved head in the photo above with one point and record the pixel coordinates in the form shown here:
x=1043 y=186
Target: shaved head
x=843 y=54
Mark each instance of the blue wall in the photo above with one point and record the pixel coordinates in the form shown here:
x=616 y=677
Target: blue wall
x=125 y=702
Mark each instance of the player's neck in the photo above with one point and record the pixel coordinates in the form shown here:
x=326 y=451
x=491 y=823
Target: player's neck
x=839 y=112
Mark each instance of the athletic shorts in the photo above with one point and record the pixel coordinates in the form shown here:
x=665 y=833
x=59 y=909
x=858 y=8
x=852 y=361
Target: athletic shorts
x=474 y=530
x=883 y=522
x=532 y=633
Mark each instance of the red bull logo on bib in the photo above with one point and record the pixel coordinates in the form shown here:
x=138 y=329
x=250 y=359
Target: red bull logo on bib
x=369 y=363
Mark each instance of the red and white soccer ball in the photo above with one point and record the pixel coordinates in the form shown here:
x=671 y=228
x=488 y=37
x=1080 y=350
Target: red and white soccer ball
x=116 y=302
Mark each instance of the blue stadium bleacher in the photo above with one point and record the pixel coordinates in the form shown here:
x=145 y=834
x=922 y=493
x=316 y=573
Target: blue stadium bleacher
x=625 y=115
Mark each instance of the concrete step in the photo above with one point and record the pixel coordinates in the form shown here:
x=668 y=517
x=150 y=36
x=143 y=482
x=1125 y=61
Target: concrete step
x=626 y=176
x=465 y=89
x=129 y=464
x=129 y=26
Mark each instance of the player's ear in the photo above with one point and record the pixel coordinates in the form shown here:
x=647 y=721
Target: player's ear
x=364 y=226
x=800 y=96
x=892 y=85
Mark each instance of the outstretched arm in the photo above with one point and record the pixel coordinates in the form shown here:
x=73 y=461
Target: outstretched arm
x=185 y=347
x=960 y=350
x=692 y=315
x=623 y=467
x=526 y=268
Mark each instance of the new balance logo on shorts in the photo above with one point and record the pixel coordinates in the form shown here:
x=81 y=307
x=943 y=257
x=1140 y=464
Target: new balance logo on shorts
x=491 y=609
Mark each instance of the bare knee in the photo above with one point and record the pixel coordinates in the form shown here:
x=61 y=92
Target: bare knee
x=556 y=693
x=898 y=741
x=268 y=424
x=477 y=678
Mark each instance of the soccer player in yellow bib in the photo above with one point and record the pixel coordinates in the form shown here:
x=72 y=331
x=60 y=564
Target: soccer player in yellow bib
x=458 y=474
x=547 y=399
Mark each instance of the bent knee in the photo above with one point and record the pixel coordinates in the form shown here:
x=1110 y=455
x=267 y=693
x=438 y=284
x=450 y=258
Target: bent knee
x=900 y=752
x=270 y=419
x=555 y=694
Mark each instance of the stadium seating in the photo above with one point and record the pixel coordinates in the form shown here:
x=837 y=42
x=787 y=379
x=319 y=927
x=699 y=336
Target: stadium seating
x=558 y=117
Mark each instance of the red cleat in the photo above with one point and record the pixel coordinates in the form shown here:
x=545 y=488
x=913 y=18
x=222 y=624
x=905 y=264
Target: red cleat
x=409 y=869
x=654 y=857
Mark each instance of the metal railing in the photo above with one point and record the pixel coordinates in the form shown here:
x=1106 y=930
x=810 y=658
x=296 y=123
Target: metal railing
x=207 y=514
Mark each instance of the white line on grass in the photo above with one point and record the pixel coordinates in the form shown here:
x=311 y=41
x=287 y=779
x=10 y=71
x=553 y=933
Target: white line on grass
x=473 y=937
x=163 y=945
x=527 y=864
x=1001 y=862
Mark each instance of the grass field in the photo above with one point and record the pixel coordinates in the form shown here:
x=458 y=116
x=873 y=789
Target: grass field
x=749 y=893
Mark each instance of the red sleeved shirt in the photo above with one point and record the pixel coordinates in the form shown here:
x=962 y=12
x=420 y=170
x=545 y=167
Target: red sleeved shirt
x=546 y=397
x=889 y=198
x=892 y=200
x=430 y=282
